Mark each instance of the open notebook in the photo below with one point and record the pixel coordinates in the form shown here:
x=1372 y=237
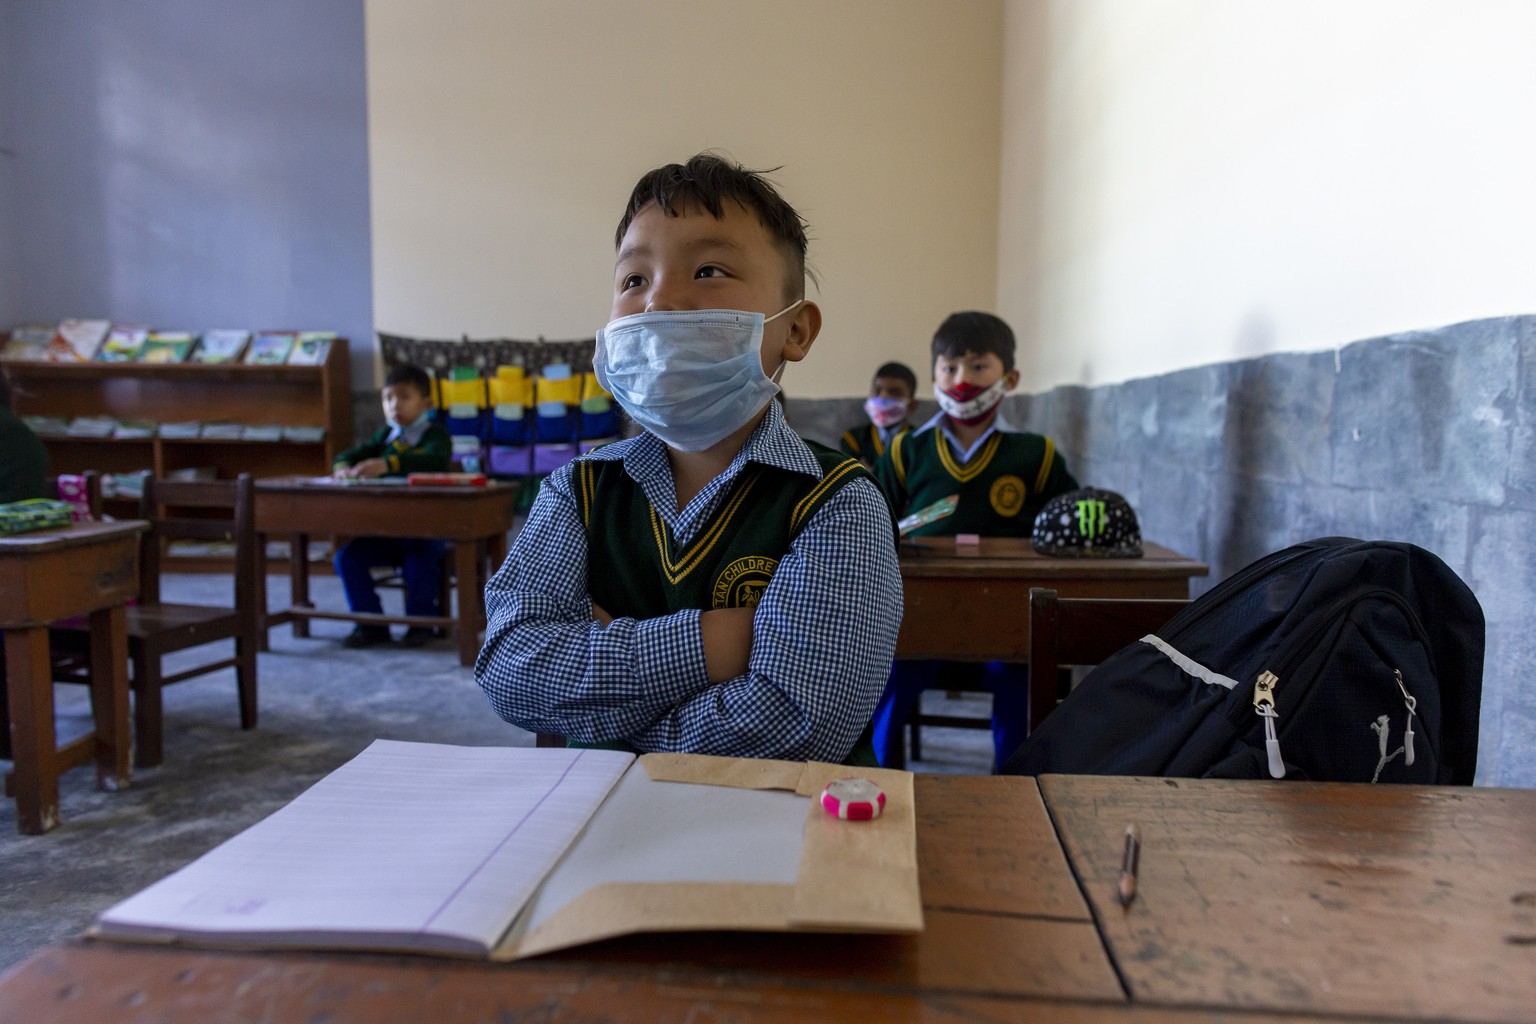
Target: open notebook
x=506 y=852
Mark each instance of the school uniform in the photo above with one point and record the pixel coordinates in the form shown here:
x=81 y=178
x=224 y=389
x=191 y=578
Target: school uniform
x=423 y=447
x=869 y=442
x=1003 y=480
x=794 y=530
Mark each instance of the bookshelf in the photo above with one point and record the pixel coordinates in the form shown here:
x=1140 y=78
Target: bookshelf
x=307 y=396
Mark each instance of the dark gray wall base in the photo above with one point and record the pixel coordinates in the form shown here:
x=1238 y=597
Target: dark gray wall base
x=1427 y=437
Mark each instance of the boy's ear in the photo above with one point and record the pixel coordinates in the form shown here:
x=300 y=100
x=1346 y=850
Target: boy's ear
x=802 y=331
x=1011 y=379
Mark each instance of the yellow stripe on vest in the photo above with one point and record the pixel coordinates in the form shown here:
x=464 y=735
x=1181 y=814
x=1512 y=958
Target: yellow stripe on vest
x=838 y=472
x=677 y=570
x=968 y=472
x=1045 y=465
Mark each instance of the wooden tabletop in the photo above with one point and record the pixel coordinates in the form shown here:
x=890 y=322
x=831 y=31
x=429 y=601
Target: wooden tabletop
x=1015 y=556
x=73 y=535
x=1412 y=902
x=1004 y=921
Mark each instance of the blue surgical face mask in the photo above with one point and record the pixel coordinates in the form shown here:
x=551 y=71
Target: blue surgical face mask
x=691 y=377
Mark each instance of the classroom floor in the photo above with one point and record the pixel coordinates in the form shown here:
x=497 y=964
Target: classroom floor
x=320 y=704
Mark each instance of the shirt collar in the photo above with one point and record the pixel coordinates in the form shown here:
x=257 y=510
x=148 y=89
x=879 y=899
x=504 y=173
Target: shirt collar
x=939 y=422
x=411 y=435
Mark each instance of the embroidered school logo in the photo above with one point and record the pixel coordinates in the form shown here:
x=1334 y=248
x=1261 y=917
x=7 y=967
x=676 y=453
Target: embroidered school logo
x=1091 y=519
x=1007 y=496
x=741 y=584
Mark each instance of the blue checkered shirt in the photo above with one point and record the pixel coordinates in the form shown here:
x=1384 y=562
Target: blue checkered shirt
x=823 y=632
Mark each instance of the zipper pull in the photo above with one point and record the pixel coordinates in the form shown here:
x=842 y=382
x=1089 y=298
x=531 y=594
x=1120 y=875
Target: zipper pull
x=1412 y=703
x=1264 y=706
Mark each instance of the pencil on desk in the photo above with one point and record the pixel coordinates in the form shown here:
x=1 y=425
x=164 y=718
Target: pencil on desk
x=1128 y=865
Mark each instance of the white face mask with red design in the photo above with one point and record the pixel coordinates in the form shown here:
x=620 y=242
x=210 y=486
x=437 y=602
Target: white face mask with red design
x=969 y=404
x=885 y=412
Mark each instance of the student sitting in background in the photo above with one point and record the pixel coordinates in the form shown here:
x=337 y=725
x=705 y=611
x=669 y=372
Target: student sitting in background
x=409 y=442
x=892 y=398
x=715 y=585
x=1002 y=476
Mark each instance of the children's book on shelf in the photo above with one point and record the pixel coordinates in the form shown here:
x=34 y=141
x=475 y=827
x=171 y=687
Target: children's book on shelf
x=311 y=348
x=124 y=343
x=221 y=346
x=29 y=341
x=270 y=348
x=505 y=852
x=78 y=341
x=167 y=346
x=135 y=430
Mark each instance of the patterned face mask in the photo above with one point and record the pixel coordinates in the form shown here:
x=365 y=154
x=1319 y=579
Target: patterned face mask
x=691 y=377
x=969 y=404
x=885 y=412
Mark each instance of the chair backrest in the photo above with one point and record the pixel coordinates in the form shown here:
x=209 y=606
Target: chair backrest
x=1082 y=631
x=166 y=504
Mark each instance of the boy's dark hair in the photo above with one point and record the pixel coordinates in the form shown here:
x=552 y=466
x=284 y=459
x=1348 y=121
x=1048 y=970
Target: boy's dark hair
x=979 y=333
x=405 y=373
x=901 y=372
x=707 y=181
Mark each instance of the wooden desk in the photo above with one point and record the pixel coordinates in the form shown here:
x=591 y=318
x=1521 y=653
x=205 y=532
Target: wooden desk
x=1005 y=926
x=1395 y=901
x=83 y=569
x=474 y=519
x=988 y=592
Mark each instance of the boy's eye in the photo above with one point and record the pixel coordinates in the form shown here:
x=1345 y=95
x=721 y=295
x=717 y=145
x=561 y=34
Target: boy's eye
x=633 y=281
x=709 y=270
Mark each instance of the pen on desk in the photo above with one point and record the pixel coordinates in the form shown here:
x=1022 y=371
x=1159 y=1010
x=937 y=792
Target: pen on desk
x=1128 y=865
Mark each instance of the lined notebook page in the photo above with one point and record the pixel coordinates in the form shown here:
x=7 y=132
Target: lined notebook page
x=409 y=845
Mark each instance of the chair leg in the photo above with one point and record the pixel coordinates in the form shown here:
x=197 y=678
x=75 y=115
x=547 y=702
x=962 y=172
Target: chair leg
x=245 y=678
x=148 y=712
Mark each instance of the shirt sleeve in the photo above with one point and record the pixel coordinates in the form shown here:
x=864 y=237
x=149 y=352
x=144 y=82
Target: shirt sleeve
x=824 y=634
x=547 y=666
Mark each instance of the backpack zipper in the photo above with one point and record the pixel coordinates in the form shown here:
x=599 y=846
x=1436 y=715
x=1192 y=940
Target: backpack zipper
x=1264 y=686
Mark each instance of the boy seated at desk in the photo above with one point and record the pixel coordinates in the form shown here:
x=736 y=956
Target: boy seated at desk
x=714 y=585
x=1002 y=477
x=892 y=398
x=409 y=442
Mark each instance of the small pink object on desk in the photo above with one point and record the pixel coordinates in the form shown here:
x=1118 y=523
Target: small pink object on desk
x=853 y=799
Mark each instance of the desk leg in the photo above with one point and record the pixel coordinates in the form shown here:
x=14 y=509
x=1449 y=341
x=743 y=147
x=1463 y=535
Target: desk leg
x=109 y=697
x=261 y=594
x=35 y=779
x=298 y=575
x=467 y=557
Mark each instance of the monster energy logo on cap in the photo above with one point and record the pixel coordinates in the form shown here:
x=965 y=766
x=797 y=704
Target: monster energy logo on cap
x=1087 y=523
x=1090 y=517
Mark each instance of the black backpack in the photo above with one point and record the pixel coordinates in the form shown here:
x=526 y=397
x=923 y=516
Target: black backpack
x=1335 y=659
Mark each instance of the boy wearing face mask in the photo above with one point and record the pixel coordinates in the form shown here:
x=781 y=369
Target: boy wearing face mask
x=892 y=398
x=1003 y=477
x=409 y=442
x=716 y=584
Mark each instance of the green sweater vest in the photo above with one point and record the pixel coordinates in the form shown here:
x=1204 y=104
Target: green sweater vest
x=636 y=569
x=864 y=442
x=1002 y=488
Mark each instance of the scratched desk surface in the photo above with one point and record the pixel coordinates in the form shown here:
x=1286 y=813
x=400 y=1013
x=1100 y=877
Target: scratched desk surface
x=1403 y=901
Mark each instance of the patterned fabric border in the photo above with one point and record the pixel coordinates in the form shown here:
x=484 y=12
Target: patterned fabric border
x=439 y=356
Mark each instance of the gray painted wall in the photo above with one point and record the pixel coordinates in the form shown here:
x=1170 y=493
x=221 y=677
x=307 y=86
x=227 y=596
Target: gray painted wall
x=1428 y=437
x=186 y=165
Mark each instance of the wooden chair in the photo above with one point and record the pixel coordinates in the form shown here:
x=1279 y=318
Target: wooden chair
x=1067 y=631
x=207 y=510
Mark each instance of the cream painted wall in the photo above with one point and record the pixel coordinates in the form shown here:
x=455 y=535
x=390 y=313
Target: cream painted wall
x=1192 y=181
x=505 y=138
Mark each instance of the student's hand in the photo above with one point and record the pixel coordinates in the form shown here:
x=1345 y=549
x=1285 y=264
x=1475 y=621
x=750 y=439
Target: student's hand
x=370 y=468
x=727 y=636
x=601 y=615
x=341 y=472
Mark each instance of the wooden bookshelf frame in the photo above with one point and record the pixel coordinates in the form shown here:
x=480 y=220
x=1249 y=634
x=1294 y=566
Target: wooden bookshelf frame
x=309 y=396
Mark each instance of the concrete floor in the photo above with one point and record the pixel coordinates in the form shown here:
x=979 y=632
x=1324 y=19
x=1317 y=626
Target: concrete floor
x=320 y=705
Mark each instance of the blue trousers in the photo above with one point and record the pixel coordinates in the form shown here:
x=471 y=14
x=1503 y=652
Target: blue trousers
x=1008 y=683
x=421 y=562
